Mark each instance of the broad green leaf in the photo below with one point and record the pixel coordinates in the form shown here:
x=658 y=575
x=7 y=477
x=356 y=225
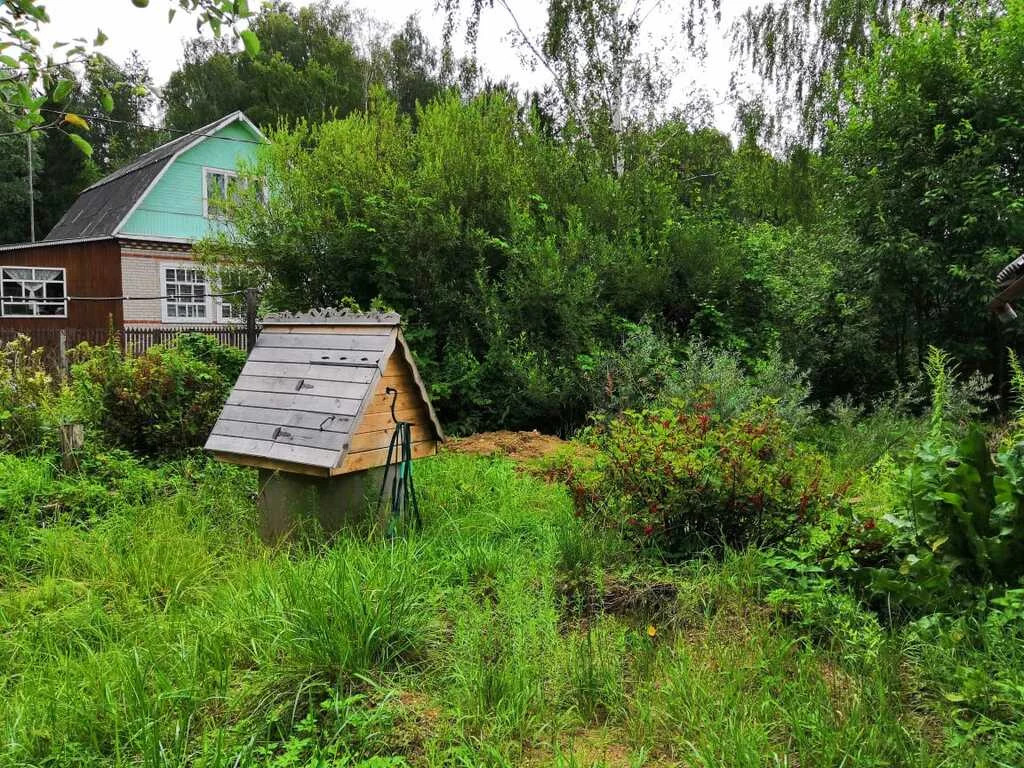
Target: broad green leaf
x=63 y=90
x=81 y=143
x=251 y=42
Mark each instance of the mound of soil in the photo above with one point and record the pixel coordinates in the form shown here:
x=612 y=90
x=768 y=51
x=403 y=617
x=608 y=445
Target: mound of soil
x=514 y=445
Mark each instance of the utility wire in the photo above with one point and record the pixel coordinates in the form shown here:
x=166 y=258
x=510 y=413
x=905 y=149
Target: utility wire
x=136 y=124
x=23 y=300
x=145 y=298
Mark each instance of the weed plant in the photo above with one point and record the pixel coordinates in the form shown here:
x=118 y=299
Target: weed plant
x=156 y=630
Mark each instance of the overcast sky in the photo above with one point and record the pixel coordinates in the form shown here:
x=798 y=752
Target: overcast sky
x=160 y=43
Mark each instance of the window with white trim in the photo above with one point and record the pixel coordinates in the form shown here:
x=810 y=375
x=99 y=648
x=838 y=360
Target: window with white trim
x=33 y=292
x=229 y=313
x=220 y=186
x=186 y=299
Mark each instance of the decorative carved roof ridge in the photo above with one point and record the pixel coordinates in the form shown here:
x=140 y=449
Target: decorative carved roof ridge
x=332 y=316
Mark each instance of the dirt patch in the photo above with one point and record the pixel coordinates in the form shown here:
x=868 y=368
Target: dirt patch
x=582 y=600
x=517 y=446
x=592 y=748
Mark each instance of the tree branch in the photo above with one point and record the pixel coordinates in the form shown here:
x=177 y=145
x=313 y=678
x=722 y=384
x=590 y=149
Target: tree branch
x=547 y=65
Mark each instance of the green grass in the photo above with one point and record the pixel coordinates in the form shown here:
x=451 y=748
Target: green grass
x=147 y=625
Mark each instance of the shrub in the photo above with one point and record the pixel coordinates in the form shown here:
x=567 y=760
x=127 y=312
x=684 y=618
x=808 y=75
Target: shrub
x=685 y=478
x=228 y=360
x=632 y=375
x=719 y=376
x=957 y=529
x=26 y=392
x=649 y=368
x=161 y=403
x=959 y=526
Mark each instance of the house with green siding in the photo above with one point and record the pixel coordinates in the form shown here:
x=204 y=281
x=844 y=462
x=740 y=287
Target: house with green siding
x=123 y=252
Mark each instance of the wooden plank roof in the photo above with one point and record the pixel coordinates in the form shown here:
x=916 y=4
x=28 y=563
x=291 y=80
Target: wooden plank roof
x=301 y=395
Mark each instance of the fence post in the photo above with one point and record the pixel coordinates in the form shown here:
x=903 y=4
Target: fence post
x=72 y=438
x=62 y=348
x=251 y=302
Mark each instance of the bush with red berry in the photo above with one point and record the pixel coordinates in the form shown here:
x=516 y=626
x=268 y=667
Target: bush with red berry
x=685 y=479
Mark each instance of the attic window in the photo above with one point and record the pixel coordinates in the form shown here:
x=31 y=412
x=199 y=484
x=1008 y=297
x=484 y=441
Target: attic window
x=33 y=292
x=221 y=186
x=218 y=187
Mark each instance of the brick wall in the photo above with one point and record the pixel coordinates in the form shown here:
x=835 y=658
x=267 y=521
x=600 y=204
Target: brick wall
x=141 y=264
x=140 y=276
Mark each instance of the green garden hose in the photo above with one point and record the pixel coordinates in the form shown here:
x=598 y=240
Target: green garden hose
x=405 y=508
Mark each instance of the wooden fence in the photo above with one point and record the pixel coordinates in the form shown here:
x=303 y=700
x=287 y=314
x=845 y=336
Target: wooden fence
x=134 y=339
x=138 y=339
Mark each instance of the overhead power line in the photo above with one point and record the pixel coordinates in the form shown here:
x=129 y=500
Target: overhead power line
x=136 y=124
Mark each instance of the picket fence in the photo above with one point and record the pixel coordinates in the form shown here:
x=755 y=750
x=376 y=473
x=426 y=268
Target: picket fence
x=134 y=339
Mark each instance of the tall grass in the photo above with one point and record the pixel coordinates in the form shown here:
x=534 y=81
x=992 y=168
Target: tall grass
x=155 y=630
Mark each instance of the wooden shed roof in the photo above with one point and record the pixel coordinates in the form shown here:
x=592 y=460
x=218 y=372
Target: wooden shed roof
x=305 y=387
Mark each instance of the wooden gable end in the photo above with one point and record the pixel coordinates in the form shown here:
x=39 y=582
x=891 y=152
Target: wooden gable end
x=373 y=433
x=313 y=399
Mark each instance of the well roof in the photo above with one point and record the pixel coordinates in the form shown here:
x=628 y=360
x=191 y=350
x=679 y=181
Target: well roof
x=301 y=396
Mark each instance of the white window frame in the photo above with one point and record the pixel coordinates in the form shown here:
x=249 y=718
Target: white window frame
x=207 y=170
x=34 y=302
x=221 y=317
x=165 y=316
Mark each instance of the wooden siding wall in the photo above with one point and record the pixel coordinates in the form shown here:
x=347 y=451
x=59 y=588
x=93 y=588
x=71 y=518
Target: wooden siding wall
x=93 y=269
x=370 y=441
x=174 y=206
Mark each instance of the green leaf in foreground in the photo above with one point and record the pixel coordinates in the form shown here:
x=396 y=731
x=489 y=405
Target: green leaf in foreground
x=81 y=143
x=63 y=90
x=251 y=42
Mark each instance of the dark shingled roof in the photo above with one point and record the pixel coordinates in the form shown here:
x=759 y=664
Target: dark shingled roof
x=101 y=208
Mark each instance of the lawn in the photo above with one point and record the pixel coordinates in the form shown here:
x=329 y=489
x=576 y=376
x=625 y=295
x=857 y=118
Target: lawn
x=143 y=623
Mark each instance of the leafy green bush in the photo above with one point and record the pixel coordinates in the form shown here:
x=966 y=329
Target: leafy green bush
x=955 y=527
x=650 y=367
x=632 y=375
x=687 y=478
x=719 y=376
x=26 y=392
x=959 y=527
x=228 y=360
x=162 y=402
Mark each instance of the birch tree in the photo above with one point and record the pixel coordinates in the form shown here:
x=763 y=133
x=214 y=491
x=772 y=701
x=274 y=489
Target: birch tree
x=607 y=65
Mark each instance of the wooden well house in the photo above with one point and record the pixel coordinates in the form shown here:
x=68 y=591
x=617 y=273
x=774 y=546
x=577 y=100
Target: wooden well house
x=313 y=401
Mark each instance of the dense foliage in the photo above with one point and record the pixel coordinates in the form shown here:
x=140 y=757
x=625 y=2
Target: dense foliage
x=162 y=402
x=314 y=63
x=26 y=391
x=931 y=185
x=687 y=480
x=520 y=258
x=514 y=258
